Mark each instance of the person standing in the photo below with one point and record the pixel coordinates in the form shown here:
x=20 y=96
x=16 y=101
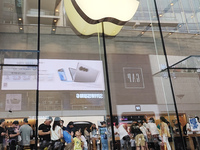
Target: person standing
x=2 y=133
x=138 y=136
x=70 y=131
x=103 y=134
x=144 y=122
x=26 y=132
x=83 y=139
x=124 y=136
x=78 y=144
x=45 y=133
x=144 y=132
x=70 y=127
x=151 y=126
x=94 y=130
x=62 y=125
x=164 y=132
x=56 y=134
x=13 y=135
x=117 y=137
x=86 y=134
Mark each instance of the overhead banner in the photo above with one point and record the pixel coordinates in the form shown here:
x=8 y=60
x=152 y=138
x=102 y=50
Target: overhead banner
x=54 y=74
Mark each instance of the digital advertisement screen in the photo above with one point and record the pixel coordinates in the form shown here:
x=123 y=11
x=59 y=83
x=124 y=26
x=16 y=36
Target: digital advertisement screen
x=54 y=74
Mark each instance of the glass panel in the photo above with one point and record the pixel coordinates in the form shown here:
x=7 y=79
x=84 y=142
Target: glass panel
x=183 y=57
x=14 y=20
x=106 y=78
x=138 y=96
x=72 y=76
x=18 y=61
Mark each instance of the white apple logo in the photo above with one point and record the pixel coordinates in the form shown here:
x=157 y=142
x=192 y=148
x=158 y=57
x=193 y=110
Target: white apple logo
x=86 y=15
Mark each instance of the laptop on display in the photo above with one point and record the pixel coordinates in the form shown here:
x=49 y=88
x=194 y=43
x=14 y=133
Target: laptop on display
x=83 y=73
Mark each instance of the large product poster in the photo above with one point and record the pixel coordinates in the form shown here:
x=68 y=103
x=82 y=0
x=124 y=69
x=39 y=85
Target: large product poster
x=54 y=74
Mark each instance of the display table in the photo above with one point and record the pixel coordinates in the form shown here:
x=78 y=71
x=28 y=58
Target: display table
x=191 y=143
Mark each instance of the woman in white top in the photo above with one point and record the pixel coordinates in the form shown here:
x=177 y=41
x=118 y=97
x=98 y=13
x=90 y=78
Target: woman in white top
x=57 y=134
x=152 y=127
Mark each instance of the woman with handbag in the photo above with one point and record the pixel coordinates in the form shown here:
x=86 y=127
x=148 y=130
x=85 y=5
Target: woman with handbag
x=56 y=134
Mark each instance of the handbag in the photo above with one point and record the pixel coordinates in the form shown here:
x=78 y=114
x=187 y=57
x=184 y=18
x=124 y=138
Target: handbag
x=57 y=144
x=126 y=138
x=67 y=137
x=62 y=140
x=105 y=136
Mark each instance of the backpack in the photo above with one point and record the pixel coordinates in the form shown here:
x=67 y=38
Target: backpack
x=67 y=137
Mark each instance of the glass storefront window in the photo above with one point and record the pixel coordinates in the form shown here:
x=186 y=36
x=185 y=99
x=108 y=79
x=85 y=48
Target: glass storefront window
x=118 y=84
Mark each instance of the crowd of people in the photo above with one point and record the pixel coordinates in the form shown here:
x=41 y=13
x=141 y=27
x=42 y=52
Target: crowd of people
x=143 y=135
x=9 y=137
x=52 y=135
x=134 y=135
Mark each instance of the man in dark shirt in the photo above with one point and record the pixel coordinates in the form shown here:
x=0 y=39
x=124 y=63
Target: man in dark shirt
x=2 y=133
x=13 y=135
x=70 y=127
x=45 y=133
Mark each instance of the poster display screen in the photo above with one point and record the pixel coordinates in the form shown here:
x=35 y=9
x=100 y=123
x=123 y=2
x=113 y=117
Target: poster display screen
x=54 y=74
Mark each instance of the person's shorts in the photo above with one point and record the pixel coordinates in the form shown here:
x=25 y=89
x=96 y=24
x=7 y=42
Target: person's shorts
x=69 y=146
x=146 y=138
x=139 y=140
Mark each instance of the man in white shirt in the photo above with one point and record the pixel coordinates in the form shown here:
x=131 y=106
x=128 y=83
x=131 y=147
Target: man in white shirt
x=124 y=136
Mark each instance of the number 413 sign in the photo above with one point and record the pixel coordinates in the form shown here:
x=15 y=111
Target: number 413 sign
x=133 y=77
